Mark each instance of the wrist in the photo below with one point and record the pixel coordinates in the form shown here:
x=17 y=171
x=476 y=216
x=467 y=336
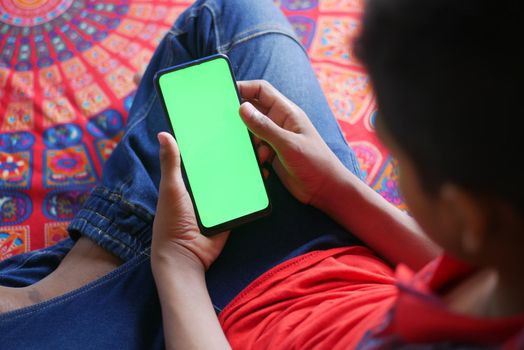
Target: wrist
x=172 y=264
x=170 y=280
x=178 y=286
x=335 y=188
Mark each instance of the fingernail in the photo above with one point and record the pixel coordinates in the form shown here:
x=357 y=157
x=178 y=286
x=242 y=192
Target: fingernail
x=161 y=139
x=253 y=112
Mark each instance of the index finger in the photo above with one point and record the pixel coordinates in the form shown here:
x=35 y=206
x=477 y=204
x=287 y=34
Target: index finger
x=273 y=102
x=262 y=91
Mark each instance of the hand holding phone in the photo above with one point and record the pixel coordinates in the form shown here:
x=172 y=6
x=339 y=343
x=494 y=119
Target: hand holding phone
x=177 y=240
x=288 y=140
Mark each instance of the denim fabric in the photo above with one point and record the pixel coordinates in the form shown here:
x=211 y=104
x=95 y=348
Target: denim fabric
x=121 y=309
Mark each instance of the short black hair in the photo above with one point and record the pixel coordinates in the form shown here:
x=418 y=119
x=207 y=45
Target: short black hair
x=448 y=76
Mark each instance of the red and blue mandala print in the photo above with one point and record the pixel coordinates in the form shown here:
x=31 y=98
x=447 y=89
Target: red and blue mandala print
x=66 y=86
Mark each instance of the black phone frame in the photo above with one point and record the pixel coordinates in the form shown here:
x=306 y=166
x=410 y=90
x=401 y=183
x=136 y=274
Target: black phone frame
x=228 y=225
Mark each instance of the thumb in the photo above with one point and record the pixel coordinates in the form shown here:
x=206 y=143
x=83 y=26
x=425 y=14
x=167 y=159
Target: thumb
x=262 y=126
x=171 y=176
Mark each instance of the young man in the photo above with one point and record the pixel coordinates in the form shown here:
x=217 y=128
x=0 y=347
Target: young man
x=298 y=278
x=348 y=297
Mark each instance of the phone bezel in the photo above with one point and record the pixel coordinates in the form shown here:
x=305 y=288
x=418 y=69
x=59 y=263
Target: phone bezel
x=228 y=225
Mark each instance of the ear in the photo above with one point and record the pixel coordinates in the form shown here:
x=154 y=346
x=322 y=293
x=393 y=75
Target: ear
x=469 y=215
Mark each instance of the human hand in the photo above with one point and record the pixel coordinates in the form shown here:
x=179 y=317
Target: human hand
x=303 y=162
x=177 y=241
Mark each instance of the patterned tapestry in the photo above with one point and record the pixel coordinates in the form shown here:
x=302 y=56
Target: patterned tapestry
x=66 y=69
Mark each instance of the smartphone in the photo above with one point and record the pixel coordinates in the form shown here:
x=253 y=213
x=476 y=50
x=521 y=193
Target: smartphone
x=220 y=166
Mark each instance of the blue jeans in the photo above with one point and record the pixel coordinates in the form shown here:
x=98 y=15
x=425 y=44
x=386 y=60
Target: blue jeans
x=121 y=309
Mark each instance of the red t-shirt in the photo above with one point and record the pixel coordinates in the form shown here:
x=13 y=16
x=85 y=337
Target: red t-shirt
x=348 y=297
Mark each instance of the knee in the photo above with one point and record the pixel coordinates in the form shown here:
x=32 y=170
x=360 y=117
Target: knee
x=221 y=22
x=251 y=10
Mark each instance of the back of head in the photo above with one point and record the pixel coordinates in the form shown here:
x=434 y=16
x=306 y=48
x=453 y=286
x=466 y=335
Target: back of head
x=448 y=75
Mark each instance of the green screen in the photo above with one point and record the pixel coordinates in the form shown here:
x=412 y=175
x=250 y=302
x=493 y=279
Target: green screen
x=215 y=146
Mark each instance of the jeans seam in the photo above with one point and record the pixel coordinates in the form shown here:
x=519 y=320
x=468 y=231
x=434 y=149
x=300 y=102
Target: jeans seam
x=215 y=26
x=137 y=210
x=240 y=38
x=115 y=198
x=124 y=249
x=96 y=213
x=146 y=109
x=21 y=264
x=29 y=310
x=36 y=253
x=256 y=32
x=195 y=12
x=124 y=246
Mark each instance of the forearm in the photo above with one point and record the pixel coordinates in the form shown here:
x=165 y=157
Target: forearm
x=383 y=227
x=190 y=321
